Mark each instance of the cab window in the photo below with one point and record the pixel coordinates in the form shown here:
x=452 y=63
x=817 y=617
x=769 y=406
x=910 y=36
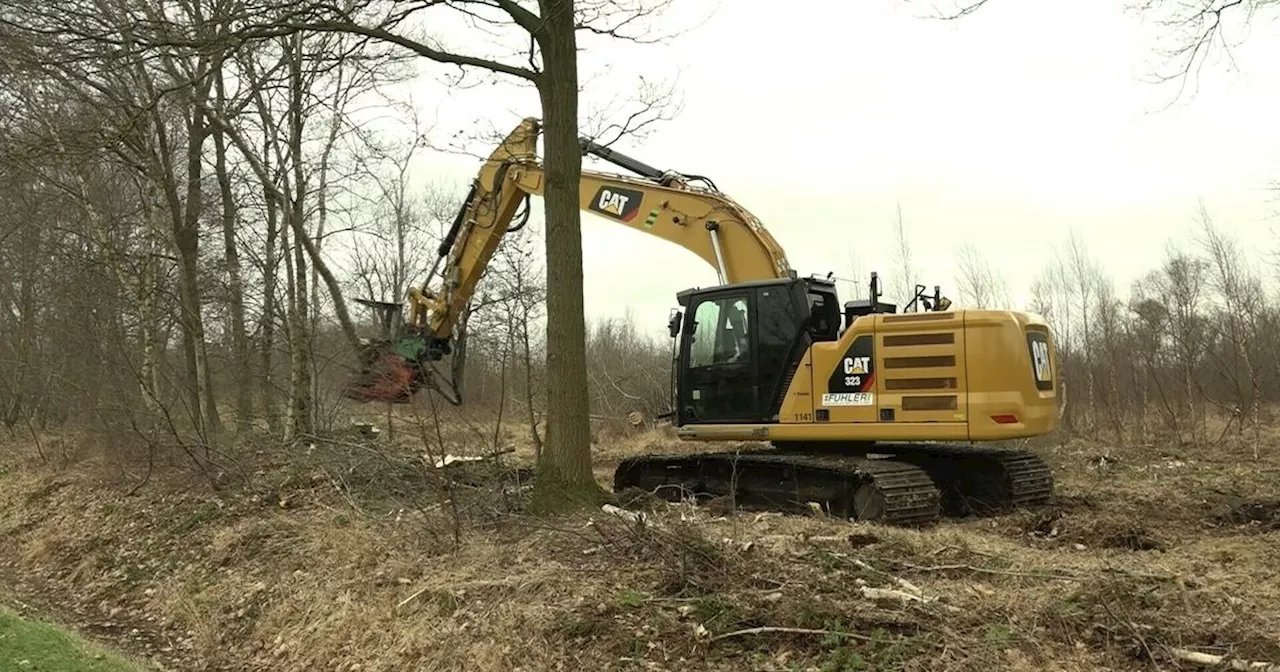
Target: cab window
x=720 y=333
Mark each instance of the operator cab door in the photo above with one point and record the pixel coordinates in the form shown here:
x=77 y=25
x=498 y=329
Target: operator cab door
x=740 y=345
x=716 y=369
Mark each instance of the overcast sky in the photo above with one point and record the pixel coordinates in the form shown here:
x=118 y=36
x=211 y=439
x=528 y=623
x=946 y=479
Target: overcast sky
x=1006 y=130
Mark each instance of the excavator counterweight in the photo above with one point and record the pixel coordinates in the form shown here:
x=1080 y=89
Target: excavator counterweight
x=868 y=412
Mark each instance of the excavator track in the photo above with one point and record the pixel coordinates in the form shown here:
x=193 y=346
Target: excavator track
x=976 y=480
x=905 y=484
x=846 y=485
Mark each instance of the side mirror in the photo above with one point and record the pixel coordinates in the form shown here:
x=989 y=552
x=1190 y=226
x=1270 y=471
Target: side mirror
x=673 y=323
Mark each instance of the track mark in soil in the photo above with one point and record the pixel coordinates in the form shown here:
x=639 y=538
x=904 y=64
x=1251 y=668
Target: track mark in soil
x=1261 y=513
x=1135 y=538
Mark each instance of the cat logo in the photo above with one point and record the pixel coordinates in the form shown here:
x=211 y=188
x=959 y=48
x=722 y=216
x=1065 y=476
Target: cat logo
x=1041 y=365
x=1040 y=353
x=856 y=365
x=855 y=372
x=617 y=202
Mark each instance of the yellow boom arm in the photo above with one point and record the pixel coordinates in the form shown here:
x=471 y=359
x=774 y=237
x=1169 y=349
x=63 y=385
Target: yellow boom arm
x=701 y=220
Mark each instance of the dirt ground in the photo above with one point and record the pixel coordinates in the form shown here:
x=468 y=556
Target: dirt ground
x=362 y=560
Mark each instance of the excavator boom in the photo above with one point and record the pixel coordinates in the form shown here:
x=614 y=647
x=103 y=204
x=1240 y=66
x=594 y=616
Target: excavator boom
x=701 y=220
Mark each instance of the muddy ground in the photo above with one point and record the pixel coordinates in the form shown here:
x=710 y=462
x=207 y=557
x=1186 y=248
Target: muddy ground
x=349 y=555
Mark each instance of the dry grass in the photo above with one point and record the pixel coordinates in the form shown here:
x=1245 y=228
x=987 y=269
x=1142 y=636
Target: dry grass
x=363 y=559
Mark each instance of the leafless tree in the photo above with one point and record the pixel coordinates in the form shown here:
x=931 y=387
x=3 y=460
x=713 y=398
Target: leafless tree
x=518 y=278
x=1238 y=291
x=1112 y=352
x=406 y=224
x=1082 y=272
x=1191 y=31
x=240 y=359
x=146 y=108
x=1052 y=297
x=906 y=271
x=1148 y=332
x=87 y=54
x=550 y=65
x=978 y=284
x=1181 y=284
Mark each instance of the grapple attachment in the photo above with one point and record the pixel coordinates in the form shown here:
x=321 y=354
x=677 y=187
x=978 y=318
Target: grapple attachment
x=385 y=375
x=390 y=367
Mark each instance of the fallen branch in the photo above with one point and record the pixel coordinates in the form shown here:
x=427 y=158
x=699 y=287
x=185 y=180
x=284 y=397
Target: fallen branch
x=637 y=517
x=1142 y=575
x=909 y=593
x=908 y=586
x=943 y=549
x=1133 y=628
x=912 y=591
x=992 y=570
x=1211 y=660
x=891 y=594
x=1048 y=575
x=449 y=459
x=837 y=539
x=794 y=631
x=411 y=598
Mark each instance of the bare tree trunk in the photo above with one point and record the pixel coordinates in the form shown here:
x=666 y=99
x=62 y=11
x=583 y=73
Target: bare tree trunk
x=399 y=275
x=1144 y=396
x=1083 y=276
x=186 y=242
x=300 y=400
x=235 y=285
x=191 y=331
x=564 y=468
x=313 y=311
x=1188 y=384
x=300 y=406
x=192 y=225
x=291 y=299
x=270 y=272
x=528 y=381
x=322 y=214
x=182 y=242
x=27 y=335
x=148 y=309
x=507 y=343
x=458 y=363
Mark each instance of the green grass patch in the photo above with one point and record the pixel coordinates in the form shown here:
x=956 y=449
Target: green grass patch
x=28 y=646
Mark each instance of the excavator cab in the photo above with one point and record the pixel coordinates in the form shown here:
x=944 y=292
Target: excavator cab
x=740 y=345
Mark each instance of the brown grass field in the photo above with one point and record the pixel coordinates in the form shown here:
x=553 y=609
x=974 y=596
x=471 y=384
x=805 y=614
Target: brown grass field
x=365 y=559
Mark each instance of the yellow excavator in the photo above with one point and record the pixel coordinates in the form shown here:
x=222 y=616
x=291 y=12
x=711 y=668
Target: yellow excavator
x=868 y=412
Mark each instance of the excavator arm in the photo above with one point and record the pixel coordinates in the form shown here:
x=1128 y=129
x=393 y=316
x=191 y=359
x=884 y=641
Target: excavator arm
x=661 y=203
